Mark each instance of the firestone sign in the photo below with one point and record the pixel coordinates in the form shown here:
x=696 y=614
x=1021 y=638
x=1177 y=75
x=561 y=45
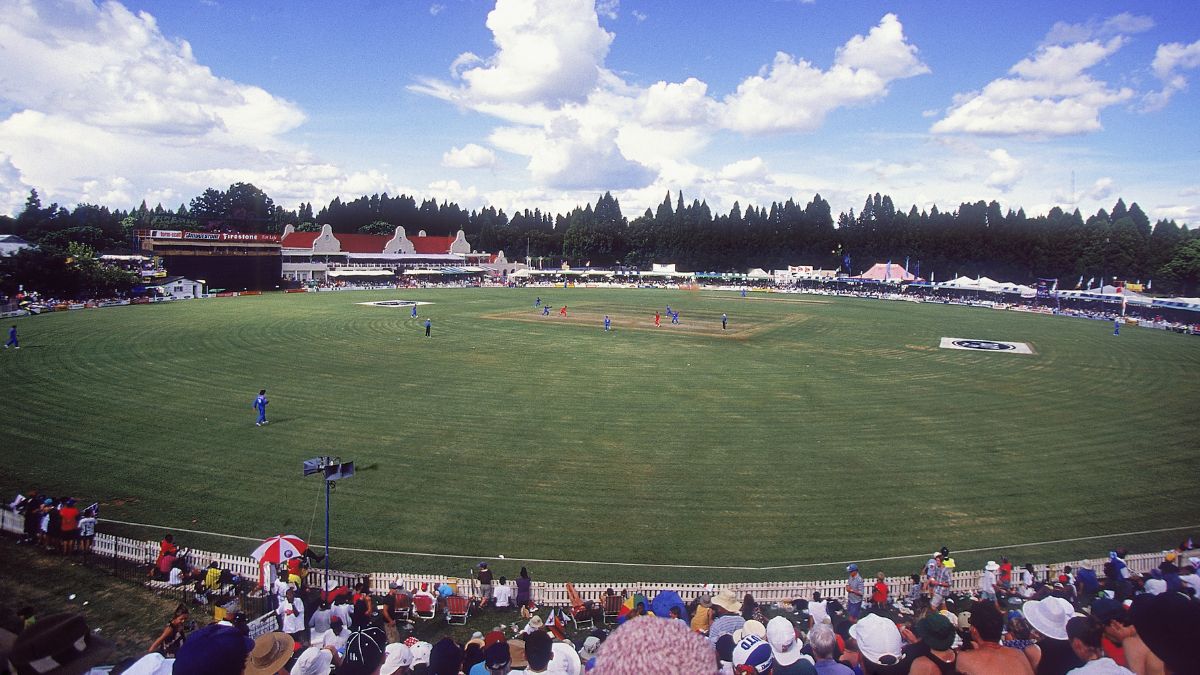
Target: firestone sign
x=209 y=236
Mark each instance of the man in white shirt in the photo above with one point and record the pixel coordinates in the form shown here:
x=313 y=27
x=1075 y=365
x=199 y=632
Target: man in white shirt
x=987 y=582
x=336 y=636
x=291 y=612
x=1189 y=576
x=502 y=593
x=319 y=623
x=281 y=586
x=343 y=610
x=817 y=611
x=564 y=659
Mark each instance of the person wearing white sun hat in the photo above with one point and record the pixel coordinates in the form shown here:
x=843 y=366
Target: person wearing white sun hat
x=1052 y=652
x=987 y=581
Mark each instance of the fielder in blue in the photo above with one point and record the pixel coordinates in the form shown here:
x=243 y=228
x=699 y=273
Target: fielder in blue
x=538 y=302
x=12 y=339
x=607 y=323
x=1116 y=326
x=414 y=314
x=260 y=404
x=546 y=310
x=724 y=321
x=743 y=292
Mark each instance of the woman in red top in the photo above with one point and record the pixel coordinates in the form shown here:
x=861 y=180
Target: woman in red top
x=879 y=596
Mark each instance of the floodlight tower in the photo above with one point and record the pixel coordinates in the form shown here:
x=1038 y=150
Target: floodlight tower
x=332 y=469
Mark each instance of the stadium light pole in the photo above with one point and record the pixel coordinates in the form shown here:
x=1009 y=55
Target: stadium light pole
x=331 y=469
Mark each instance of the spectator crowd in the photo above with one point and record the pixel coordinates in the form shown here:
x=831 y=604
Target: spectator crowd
x=1086 y=621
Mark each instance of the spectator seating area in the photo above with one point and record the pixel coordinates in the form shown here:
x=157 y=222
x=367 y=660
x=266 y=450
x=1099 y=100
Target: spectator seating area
x=1052 y=618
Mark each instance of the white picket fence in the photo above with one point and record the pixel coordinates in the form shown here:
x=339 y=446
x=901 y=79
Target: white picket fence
x=555 y=594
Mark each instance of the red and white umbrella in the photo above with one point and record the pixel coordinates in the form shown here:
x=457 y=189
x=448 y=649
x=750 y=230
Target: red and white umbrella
x=280 y=548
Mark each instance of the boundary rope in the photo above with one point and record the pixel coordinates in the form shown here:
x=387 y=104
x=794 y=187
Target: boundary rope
x=673 y=565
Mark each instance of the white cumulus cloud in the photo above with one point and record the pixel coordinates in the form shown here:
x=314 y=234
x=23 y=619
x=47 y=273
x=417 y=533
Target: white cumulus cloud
x=795 y=95
x=609 y=9
x=1005 y=170
x=547 y=51
x=96 y=91
x=1169 y=60
x=1124 y=23
x=1048 y=94
x=583 y=126
x=470 y=156
x=747 y=169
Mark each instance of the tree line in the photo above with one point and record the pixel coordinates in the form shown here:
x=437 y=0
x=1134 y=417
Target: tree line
x=974 y=239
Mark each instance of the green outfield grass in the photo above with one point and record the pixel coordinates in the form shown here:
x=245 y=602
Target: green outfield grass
x=813 y=429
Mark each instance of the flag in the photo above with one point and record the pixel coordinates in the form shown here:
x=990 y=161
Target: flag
x=1054 y=288
x=1149 y=284
x=887 y=271
x=1091 y=281
x=906 y=264
x=846 y=262
x=556 y=625
x=1080 y=284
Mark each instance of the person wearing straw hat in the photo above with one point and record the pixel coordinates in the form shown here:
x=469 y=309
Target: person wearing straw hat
x=271 y=653
x=1051 y=651
x=728 y=612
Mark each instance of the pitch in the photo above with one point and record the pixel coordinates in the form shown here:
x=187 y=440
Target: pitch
x=811 y=429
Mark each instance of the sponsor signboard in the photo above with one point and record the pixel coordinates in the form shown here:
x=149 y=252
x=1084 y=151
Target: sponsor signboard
x=208 y=236
x=978 y=345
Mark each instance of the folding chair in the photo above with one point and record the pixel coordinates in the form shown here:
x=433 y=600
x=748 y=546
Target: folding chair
x=581 y=613
x=581 y=616
x=458 y=609
x=404 y=606
x=424 y=606
x=612 y=607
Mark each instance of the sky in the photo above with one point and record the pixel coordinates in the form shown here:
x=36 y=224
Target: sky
x=549 y=103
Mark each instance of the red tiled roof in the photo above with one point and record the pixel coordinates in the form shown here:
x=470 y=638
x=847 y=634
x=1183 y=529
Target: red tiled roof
x=300 y=239
x=432 y=244
x=350 y=243
x=369 y=243
x=363 y=243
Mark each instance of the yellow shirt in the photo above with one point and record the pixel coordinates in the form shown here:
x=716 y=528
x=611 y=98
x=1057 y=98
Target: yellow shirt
x=703 y=619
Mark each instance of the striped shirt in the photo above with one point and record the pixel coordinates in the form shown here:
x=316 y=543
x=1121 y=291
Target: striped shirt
x=725 y=625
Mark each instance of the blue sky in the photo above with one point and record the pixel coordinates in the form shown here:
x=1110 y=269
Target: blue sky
x=548 y=103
